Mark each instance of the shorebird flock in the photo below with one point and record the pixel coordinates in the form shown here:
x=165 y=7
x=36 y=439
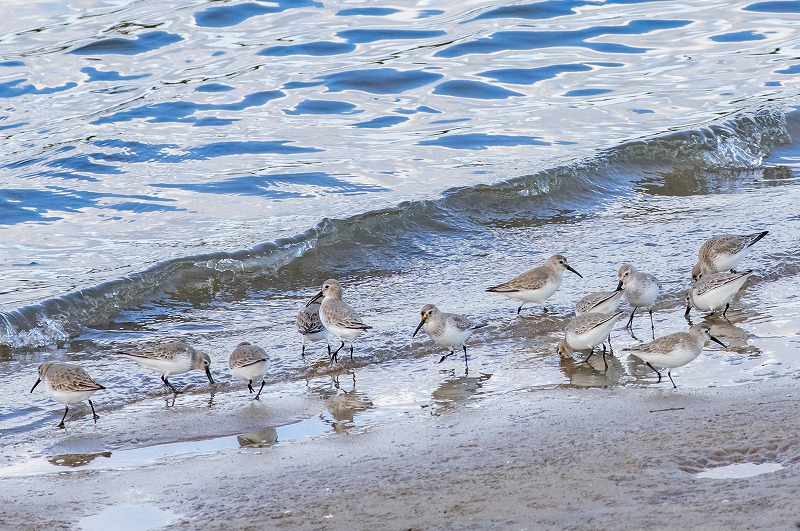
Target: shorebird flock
x=715 y=284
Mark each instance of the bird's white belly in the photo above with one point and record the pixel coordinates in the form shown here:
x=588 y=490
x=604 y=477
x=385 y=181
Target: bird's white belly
x=727 y=262
x=178 y=365
x=675 y=358
x=643 y=298
x=589 y=339
x=316 y=336
x=69 y=397
x=342 y=332
x=451 y=337
x=716 y=299
x=251 y=373
x=534 y=295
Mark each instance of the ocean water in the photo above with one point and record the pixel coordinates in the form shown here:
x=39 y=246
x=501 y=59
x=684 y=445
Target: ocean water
x=197 y=169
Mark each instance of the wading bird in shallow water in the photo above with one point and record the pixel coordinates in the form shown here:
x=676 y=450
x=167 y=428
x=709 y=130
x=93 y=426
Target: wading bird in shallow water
x=537 y=284
x=675 y=350
x=68 y=384
x=724 y=252
x=640 y=290
x=249 y=363
x=310 y=326
x=172 y=357
x=338 y=317
x=586 y=331
x=448 y=330
x=715 y=291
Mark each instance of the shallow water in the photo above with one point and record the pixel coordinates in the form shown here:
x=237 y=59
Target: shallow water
x=198 y=169
x=739 y=471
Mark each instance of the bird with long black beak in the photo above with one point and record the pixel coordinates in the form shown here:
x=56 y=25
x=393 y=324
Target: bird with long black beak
x=449 y=330
x=68 y=384
x=338 y=317
x=675 y=350
x=537 y=284
x=172 y=357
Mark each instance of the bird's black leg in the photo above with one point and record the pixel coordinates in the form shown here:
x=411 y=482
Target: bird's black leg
x=260 y=389
x=609 y=344
x=658 y=373
x=94 y=415
x=250 y=386
x=591 y=353
x=604 y=357
x=335 y=352
x=351 y=352
x=652 y=325
x=61 y=424
x=447 y=355
x=465 y=352
x=520 y=308
x=671 y=380
x=630 y=321
x=303 y=351
x=166 y=382
x=725 y=311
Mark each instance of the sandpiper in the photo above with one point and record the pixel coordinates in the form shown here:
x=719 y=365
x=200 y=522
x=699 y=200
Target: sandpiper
x=249 y=363
x=338 y=317
x=449 y=330
x=640 y=290
x=675 y=350
x=724 y=252
x=537 y=284
x=68 y=384
x=714 y=291
x=310 y=326
x=586 y=331
x=172 y=357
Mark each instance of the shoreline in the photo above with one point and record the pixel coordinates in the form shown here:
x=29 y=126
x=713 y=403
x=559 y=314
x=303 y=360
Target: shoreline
x=612 y=458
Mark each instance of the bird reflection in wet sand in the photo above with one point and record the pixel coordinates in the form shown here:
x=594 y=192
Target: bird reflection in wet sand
x=258 y=439
x=455 y=392
x=76 y=460
x=343 y=405
x=592 y=372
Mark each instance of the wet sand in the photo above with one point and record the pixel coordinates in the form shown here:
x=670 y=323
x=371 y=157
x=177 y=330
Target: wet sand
x=616 y=458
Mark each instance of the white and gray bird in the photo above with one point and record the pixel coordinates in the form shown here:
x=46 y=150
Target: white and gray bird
x=338 y=317
x=538 y=284
x=449 y=330
x=310 y=326
x=723 y=252
x=172 y=357
x=675 y=350
x=68 y=384
x=715 y=291
x=586 y=331
x=640 y=290
x=249 y=363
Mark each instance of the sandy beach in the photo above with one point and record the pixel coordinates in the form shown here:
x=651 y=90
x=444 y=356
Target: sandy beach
x=617 y=458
